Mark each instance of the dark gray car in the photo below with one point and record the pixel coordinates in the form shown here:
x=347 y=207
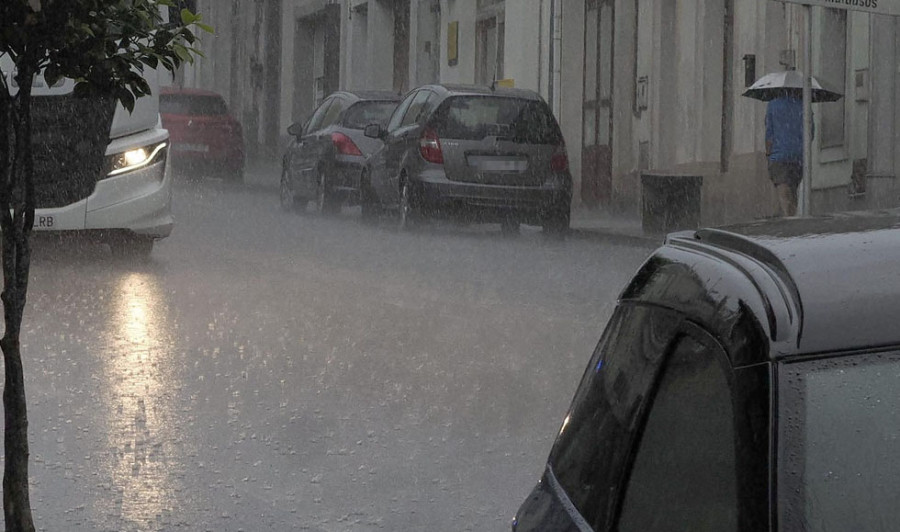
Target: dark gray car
x=476 y=153
x=325 y=159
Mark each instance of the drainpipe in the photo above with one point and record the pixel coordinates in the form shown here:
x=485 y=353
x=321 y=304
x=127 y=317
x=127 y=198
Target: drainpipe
x=540 y=82
x=552 y=60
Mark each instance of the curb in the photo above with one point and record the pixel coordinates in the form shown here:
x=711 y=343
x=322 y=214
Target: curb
x=650 y=241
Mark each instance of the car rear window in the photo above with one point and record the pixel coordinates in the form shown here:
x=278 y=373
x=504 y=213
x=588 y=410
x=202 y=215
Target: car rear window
x=477 y=117
x=361 y=114
x=839 y=433
x=194 y=105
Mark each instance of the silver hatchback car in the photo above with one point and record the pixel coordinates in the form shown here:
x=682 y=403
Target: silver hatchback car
x=475 y=153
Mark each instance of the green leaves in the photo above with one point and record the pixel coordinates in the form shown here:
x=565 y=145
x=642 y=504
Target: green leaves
x=103 y=45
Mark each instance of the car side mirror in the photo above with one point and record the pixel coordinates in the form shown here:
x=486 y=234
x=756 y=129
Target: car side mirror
x=296 y=130
x=374 y=131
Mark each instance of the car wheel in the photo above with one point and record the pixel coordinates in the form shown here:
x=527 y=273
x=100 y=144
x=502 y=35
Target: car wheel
x=410 y=213
x=368 y=200
x=286 y=194
x=130 y=246
x=325 y=202
x=556 y=223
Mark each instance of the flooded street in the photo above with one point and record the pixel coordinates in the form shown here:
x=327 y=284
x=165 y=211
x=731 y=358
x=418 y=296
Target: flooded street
x=272 y=371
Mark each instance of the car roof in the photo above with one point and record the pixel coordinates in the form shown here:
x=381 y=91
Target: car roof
x=387 y=96
x=188 y=92
x=813 y=285
x=480 y=90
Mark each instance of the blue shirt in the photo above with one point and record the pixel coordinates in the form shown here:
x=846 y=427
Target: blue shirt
x=784 y=129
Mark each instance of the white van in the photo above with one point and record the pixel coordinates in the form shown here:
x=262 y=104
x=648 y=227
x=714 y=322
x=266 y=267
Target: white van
x=128 y=203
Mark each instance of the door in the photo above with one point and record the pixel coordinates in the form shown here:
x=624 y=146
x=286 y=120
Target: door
x=299 y=161
x=596 y=155
x=402 y=136
x=379 y=166
x=315 y=144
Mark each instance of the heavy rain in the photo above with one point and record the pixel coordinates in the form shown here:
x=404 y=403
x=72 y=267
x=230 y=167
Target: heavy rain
x=400 y=265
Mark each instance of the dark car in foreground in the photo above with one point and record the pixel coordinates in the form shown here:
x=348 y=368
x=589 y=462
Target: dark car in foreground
x=749 y=380
x=326 y=156
x=203 y=133
x=473 y=153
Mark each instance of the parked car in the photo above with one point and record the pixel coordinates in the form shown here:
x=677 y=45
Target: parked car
x=326 y=157
x=749 y=380
x=481 y=154
x=203 y=133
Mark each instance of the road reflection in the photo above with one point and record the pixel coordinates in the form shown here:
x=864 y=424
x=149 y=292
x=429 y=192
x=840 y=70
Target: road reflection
x=138 y=401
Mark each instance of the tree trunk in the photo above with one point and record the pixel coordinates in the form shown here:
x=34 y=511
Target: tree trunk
x=16 y=221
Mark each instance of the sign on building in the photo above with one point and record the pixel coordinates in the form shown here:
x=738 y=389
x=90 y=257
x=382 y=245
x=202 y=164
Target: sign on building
x=876 y=7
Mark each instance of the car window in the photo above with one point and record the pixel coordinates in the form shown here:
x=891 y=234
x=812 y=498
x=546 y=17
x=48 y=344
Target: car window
x=401 y=111
x=684 y=473
x=317 y=117
x=839 y=436
x=416 y=109
x=593 y=445
x=333 y=113
x=476 y=117
x=192 y=105
x=361 y=114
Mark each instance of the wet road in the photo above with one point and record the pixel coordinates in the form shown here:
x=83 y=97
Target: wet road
x=271 y=371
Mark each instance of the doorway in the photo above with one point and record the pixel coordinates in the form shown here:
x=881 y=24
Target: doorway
x=596 y=154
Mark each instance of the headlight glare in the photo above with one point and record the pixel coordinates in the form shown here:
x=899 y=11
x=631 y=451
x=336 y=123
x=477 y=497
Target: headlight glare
x=135 y=157
x=121 y=163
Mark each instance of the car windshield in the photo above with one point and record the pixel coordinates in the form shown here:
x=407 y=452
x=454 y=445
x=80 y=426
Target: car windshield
x=192 y=105
x=840 y=436
x=362 y=114
x=477 y=117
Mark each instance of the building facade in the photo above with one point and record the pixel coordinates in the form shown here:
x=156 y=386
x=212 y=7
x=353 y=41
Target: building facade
x=639 y=86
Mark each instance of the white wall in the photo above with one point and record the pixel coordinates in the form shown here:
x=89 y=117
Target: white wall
x=527 y=43
x=464 y=12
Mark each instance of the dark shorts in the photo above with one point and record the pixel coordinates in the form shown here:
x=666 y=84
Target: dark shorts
x=785 y=173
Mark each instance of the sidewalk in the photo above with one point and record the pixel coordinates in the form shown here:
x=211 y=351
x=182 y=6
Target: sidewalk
x=588 y=223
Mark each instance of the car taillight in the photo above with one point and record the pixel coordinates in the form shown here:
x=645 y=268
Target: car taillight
x=344 y=144
x=560 y=161
x=430 y=147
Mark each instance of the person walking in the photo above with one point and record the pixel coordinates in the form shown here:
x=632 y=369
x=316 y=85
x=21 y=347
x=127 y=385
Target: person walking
x=784 y=148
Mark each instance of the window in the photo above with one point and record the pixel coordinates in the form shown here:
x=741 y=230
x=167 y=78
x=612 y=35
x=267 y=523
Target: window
x=594 y=443
x=317 y=117
x=416 y=109
x=334 y=112
x=833 y=72
x=400 y=112
x=361 y=114
x=839 y=433
x=684 y=474
x=475 y=117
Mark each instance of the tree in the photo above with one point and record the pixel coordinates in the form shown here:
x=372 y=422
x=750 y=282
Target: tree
x=104 y=46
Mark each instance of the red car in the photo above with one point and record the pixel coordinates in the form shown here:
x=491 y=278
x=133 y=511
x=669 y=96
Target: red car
x=202 y=132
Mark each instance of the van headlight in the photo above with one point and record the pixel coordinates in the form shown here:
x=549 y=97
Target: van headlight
x=131 y=160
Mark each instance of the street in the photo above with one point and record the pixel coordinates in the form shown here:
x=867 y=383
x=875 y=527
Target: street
x=273 y=371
